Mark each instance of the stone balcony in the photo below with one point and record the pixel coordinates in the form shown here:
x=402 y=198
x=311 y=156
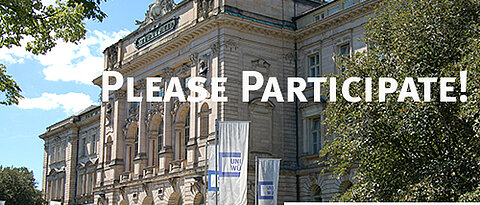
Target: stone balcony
x=178 y=165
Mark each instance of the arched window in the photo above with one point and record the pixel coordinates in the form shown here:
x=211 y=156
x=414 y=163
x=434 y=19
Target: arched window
x=316 y=193
x=160 y=135
x=136 y=142
x=344 y=186
x=204 y=120
x=108 y=151
x=187 y=134
x=316 y=135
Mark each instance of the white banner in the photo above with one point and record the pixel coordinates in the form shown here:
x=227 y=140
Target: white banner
x=232 y=163
x=211 y=174
x=268 y=172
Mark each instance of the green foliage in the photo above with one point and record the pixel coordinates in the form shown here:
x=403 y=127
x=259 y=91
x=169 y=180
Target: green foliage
x=411 y=151
x=17 y=186
x=9 y=87
x=38 y=27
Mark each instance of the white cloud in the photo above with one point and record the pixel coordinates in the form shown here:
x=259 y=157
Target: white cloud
x=80 y=63
x=69 y=62
x=14 y=55
x=70 y=102
x=48 y=2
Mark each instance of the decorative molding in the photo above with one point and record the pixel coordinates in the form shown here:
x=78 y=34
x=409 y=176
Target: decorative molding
x=204 y=8
x=120 y=94
x=174 y=184
x=215 y=47
x=155 y=109
x=128 y=122
x=184 y=70
x=168 y=72
x=260 y=62
x=193 y=58
x=112 y=57
x=230 y=44
x=108 y=114
x=156 y=10
x=290 y=57
x=204 y=65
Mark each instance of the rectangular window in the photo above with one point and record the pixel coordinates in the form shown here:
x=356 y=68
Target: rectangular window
x=333 y=10
x=344 y=50
x=185 y=83
x=318 y=17
x=80 y=184
x=83 y=147
x=94 y=145
x=316 y=135
x=348 y=3
x=63 y=151
x=57 y=157
x=314 y=66
x=160 y=93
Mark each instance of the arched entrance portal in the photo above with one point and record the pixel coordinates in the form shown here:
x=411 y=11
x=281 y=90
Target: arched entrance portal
x=147 y=201
x=198 y=200
x=175 y=199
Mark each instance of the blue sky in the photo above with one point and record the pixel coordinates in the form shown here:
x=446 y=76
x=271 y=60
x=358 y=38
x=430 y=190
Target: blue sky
x=58 y=84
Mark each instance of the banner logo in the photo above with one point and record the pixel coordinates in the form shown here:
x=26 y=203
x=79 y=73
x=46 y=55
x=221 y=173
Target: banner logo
x=230 y=164
x=266 y=190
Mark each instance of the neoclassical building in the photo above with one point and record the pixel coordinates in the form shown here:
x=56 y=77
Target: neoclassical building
x=154 y=153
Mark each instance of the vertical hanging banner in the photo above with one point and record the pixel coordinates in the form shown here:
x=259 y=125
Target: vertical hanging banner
x=268 y=173
x=212 y=193
x=232 y=163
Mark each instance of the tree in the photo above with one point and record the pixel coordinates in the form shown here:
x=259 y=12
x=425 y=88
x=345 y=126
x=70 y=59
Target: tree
x=411 y=151
x=17 y=186
x=38 y=27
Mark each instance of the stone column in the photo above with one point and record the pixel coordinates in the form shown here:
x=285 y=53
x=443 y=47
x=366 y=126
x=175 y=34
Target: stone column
x=100 y=147
x=141 y=156
x=166 y=154
x=119 y=116
x=71 y=164
x=45 y=169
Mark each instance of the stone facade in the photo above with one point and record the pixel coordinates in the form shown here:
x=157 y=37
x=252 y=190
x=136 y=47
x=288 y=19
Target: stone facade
x=71 y=158
x=154 y=153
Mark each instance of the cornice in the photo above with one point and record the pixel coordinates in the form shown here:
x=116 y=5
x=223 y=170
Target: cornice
x=365 y=7
x=184 y=36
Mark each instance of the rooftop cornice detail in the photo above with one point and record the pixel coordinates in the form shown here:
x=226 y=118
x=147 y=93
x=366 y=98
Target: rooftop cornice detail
x=183 y=36
x=339 y=16
x=156 y=10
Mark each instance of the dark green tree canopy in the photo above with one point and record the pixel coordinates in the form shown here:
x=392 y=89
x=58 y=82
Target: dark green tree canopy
x=412 y=151
x=38 y=27
x=17 y=186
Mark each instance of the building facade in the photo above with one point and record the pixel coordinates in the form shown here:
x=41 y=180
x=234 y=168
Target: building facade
x=154 y=153
x=71 y=158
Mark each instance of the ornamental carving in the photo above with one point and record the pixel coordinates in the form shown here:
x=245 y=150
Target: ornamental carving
x=290 y=57
x=215 y=47
x=204 y=8
x=157 y=10
x=168 y=72
x=204 y=65
x=120 y=94
x=227 y=44
x=128 y=122
x=112 y=56
x=260 y=62
x=155 y=109
x=108 y=114
x=230 y=44
x=183 y=70
x=193 y=58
